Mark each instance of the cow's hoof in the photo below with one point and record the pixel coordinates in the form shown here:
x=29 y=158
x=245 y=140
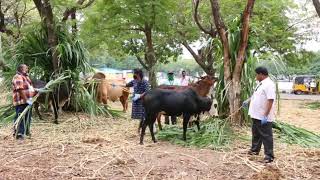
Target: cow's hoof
x=141 y=143
x=55 y=122
x=155 y=141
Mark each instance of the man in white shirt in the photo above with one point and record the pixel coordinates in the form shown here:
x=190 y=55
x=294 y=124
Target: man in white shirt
x=262 y=112
x=184 y=81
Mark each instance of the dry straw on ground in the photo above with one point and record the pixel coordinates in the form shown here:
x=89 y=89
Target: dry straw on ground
x=100 y=148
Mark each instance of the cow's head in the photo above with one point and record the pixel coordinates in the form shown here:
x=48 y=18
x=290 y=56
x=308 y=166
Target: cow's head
x=205 y=104
x=204 y=85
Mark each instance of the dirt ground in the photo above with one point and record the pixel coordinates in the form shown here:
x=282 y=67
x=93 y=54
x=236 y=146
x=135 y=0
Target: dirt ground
x=105 y=148
x=295 y=112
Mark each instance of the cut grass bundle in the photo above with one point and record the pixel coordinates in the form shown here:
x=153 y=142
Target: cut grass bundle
x=294 y=135
x=214 y=134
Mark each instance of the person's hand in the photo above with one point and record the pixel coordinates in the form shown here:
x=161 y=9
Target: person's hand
x=40 y=90
x=136 y=97
x=245 y=103
x=29 y=102
x=264 y=120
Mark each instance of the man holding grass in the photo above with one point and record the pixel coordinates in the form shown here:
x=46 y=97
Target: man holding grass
x=23 y=92
x=261 y=111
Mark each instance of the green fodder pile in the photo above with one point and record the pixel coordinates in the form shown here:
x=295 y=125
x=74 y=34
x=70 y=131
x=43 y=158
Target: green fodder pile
x=213 y=134
x=313 y=105
x=294 y=135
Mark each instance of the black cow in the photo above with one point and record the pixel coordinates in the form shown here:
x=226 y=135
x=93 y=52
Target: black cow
x=56 y=99
x=186 y=103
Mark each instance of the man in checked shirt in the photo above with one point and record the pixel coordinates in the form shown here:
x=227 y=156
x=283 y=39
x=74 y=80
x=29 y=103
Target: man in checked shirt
x=23 y=93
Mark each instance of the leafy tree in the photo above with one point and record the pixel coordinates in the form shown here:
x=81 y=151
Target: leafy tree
x=234 y=47
x=270 y=28
x=49 y=21
x=139 y=28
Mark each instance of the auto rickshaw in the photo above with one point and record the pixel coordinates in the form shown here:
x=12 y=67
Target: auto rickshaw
x=306 y=84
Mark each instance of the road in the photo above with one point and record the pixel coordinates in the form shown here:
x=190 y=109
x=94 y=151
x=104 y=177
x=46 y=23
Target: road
x=300 y=97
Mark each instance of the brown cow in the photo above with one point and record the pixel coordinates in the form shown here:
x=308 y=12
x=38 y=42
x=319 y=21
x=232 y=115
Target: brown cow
x=116 y=90
x=202 y=87
x=111 y=89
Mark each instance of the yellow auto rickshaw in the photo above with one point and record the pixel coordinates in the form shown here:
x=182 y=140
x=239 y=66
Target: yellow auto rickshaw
x=306 y=85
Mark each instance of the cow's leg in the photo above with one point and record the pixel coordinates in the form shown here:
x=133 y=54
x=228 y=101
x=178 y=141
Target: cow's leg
x=166 y=119
x=152 y=133
x=143 y=129
x=55 y=108
x=151 y=125
x=140 y=125
x=186 y=118
x=105 y=100
x=190 y=124
x=198 y=122
x=159 y=121
x=174 y=120
x=125 y=96
x=36 y=107
x=126 y=99
x=123 y=103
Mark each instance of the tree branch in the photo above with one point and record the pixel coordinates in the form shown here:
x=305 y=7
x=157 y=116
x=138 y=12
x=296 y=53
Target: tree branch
x=86 y=5
x=124 y=29
x=299 y=22
x=153 y=15
x=69 y=11
x=39 y=7
x=136 y=54
x=141 y=62
x=10 y=5
x=196 y=17
x=194 y=54
x=316 y=4
x=244 y=39
x=222 y=31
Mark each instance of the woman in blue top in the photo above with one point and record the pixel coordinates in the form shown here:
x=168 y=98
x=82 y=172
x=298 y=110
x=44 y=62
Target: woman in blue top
x=140 y=86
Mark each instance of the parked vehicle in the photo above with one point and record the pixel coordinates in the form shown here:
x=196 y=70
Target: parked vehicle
x=306 y=84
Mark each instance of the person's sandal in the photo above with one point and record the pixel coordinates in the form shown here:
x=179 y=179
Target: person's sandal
x=20 y=137
x=253 y=153
x=268 y=160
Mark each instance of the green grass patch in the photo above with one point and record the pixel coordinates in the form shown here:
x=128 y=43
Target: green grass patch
x=294 y=135
x=214 y=134
x=7 y=113
x=313 y=105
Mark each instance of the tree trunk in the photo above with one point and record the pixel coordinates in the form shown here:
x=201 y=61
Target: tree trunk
x=234 y=99
x=46 y=14
x=233 y=79
x=52 y=37
x=316 y=4
x=150 y=57
x=152 y=77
